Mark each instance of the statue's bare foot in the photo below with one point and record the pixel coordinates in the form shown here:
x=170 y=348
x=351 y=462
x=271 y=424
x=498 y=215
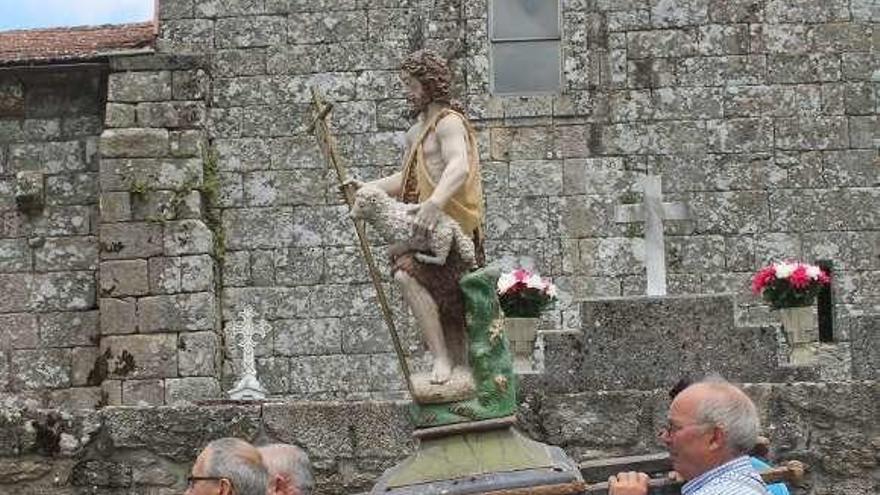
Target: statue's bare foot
x=442 y=370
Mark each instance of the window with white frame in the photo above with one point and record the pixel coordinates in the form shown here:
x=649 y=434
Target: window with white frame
x=524 y=40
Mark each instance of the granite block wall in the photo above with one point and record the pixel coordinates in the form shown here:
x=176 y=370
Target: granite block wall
x=145 y=200
x=160 y=330
x=50 y=121
x=830 y=426
x=762 y=114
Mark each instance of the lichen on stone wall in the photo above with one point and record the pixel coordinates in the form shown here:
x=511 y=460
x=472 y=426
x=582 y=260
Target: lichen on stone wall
x=211 y=192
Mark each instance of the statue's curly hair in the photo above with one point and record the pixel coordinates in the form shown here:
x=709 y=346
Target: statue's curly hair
x=432 y=71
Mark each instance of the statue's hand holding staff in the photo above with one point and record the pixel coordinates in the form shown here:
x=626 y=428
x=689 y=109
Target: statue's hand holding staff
x=352 y=184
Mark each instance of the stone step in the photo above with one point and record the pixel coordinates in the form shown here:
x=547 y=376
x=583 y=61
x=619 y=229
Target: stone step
x=648 y=343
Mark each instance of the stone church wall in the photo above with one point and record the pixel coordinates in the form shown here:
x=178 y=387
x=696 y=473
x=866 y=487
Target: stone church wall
x=761 y=114
x=50 y=120
x=160 y=340
x=181 y=185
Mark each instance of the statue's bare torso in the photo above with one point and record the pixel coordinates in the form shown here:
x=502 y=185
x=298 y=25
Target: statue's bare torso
x=434 y=161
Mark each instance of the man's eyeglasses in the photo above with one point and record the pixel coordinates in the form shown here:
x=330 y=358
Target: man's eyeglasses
x=192 y=480
x=671 y=429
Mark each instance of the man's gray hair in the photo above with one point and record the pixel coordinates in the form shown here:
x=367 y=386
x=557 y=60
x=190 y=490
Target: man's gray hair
x=731 y=409
x=291 y=462
x=239 y=461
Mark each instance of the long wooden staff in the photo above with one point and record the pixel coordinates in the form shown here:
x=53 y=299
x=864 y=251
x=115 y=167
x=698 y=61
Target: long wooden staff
x=328 y=147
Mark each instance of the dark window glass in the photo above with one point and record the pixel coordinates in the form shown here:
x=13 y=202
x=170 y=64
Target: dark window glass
x=526 y=67
x=525 y=19
x=525 y=47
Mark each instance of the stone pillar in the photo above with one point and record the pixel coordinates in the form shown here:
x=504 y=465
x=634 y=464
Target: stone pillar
x=160 y=340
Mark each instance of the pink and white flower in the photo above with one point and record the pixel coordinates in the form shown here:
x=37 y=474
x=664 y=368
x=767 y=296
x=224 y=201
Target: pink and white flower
x=784 y=269
x=535 y=282
x=524 y=294
x=505 y=282
x=788 y=284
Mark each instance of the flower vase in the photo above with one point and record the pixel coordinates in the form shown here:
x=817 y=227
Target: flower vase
x=521 y=335
x=801 y=329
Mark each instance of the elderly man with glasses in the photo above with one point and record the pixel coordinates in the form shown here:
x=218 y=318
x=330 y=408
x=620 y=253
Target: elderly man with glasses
x=228 y=466
x=711 y=427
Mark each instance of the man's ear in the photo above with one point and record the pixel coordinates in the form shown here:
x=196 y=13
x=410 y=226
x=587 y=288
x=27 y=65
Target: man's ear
x=281 y=485
x=718 y=440
x=226 y=487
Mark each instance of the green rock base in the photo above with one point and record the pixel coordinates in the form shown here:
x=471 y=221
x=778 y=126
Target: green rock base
x=489 y=358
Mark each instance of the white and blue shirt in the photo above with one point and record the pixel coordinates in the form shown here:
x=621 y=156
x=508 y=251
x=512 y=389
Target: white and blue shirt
x=775 y=488
x=736 y=477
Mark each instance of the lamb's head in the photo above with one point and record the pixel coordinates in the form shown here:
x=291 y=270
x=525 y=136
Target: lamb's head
x=368 y=203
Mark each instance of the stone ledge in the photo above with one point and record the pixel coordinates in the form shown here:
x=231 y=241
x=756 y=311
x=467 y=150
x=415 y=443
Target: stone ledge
x=159 y=61
x=832 y=426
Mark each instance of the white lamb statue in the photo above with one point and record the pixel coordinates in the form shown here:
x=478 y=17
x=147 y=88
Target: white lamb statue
x=394 y=222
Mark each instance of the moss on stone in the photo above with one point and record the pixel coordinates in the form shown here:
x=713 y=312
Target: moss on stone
x=211 y=193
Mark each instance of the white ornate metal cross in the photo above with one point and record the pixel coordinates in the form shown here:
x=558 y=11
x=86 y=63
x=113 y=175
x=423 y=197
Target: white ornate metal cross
x=245 y=331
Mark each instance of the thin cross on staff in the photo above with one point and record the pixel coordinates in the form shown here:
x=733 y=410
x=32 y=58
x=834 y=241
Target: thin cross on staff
x=320 y=128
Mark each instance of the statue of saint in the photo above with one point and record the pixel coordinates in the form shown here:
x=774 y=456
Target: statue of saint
x=440 y=173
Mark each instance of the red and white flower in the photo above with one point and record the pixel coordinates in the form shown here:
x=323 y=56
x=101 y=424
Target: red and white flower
x=789 y=283
x=523 y=293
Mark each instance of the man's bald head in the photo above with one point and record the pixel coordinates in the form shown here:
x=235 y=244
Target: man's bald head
x=289 y=469
x=719 y=403
x=234 y=460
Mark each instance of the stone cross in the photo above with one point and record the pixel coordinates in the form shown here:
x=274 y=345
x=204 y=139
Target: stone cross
x=653 y=211
x=245 y=331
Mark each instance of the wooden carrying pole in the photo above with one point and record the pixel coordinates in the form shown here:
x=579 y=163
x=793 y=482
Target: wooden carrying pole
x=791 y=472
x=328 y=148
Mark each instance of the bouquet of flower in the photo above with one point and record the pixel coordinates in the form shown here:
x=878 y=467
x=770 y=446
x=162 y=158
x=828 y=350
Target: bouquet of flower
x=524 y=294
x=789 y=284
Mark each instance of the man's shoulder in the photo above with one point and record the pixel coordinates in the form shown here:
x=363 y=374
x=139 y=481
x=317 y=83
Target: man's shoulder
x=731 y=489
x=730 y=485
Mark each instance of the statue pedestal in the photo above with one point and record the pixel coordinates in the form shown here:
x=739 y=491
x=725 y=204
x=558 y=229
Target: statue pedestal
x=469 y=445
x=481 y=457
